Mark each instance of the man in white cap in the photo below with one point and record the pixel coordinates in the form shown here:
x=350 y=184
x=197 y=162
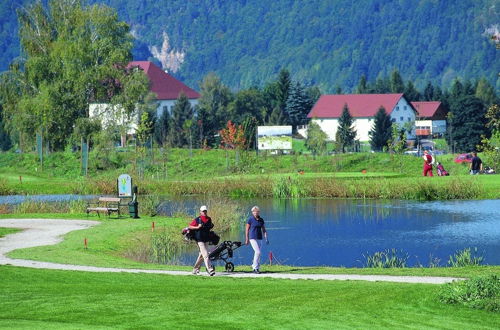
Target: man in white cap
x=201 y=227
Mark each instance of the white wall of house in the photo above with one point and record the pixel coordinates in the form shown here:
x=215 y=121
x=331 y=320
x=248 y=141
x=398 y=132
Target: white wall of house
x=169 y=105
x=113 y=115
x=435 y=126
x=361 y=125
x=402 y=114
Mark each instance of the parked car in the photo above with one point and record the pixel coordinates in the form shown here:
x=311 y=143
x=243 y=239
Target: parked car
x=463 y=158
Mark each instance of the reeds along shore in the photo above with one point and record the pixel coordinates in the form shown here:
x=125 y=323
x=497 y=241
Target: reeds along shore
x=296 y=187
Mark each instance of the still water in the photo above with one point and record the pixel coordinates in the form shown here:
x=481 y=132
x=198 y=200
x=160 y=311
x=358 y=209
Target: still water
x=316 y=232
x=333 y=232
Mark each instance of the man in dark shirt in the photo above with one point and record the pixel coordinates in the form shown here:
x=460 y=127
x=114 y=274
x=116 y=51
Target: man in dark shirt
x=476 y=165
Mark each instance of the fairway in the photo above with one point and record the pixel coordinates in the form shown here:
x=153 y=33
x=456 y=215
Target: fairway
x=65 y=299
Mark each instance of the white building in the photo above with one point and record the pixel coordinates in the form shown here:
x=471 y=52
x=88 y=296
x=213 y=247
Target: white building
x=431 y=119
x=166 y=88
x=362 y=107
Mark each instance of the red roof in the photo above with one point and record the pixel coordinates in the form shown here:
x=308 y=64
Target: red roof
x=164 y=85
x=360 y=105
x=426 y=109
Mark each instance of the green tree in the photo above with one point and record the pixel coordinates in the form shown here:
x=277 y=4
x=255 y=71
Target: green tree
x=283 y=89
x=5 y=142
x=316 y=139
x=429 y=92
x=249 y=126
x=161 y=128
x=467 y=124
x=362 y=85
x=74 y=55
x=213 y=107
x=247 y=103
x=144 y=129
x=485 y=92
x=381 y=131
x=457 y=90
x=411 y=92
x=396 y=83
x=298 y=105
x=181 y=112
x=346 y=132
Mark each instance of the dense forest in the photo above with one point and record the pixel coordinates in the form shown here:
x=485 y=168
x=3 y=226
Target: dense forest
x=325 y=43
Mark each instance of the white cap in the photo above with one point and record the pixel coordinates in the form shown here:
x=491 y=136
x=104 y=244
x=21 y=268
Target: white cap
x=204 y=208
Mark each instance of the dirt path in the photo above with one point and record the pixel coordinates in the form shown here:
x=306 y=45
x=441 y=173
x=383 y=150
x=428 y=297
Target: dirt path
x=38 y=232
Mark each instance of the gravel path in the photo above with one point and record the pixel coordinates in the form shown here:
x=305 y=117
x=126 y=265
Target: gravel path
x=38 y=232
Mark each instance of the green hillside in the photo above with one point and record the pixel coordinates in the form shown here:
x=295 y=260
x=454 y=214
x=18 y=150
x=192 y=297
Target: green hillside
x=323 y=42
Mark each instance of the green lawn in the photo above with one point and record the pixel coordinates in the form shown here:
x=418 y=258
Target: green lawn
x=66 y=299
x=6 y=231
x=60 y=174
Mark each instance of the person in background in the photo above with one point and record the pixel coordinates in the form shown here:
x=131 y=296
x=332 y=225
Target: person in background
x=201 y=227
x=427 y=163
x=255 y=230
x=476 y=165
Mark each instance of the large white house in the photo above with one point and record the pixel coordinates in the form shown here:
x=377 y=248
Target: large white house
x=166 y=88
x=362 y=107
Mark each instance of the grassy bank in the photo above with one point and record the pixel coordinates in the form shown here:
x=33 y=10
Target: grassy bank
x=119 y=243
x=217 y=173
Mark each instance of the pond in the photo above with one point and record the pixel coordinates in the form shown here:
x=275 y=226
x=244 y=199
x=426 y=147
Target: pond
x=337 y=232
x=321 y=232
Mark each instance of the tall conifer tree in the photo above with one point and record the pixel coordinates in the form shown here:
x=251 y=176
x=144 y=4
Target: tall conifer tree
x=381 y=132
x=346 y=133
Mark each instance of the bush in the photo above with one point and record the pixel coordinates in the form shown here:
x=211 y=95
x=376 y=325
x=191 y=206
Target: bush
x=480 y=292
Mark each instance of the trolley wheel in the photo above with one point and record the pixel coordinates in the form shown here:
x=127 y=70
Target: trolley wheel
x=229 y=267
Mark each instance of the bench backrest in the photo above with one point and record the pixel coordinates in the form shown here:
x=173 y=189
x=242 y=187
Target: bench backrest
x=109 y=199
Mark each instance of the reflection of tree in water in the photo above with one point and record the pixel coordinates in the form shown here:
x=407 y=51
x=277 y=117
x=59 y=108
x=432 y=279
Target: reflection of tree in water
x=336 y=210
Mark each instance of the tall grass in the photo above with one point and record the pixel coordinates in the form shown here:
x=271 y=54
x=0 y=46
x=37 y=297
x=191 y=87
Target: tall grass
x=465 y=258
x=165 y=244
x=386 y=259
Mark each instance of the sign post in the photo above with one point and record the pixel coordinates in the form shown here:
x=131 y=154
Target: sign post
x=124 y=186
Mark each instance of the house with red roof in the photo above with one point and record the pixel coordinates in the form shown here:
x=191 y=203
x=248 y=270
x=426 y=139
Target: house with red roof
x=431 y=119
x=362 y=107
x=166 y=88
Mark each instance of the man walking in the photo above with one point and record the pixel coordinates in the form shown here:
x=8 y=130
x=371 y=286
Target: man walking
x=476 y=165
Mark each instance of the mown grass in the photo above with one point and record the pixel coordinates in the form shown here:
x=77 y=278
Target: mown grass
x=359 y=175
x=118 y=243
x=62 y=299
x=7 y=231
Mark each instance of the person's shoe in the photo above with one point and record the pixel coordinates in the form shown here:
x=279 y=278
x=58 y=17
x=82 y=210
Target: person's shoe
x=256 y=271
x=211 y=272
x=196 y=271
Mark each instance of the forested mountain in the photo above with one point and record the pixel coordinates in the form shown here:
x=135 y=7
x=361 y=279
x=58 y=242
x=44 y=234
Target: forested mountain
x=321 y=42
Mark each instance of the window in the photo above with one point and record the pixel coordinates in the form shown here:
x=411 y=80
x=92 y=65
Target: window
x=393 y=120
x=404 y=107
x=400 y=118
x=165 y=108
x=409 y=119
x=397 y=108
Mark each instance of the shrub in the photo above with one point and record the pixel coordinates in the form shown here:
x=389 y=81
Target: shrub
x=464 y=258
x=479 y=292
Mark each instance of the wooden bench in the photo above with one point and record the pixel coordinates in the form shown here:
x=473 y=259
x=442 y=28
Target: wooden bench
x=107 y=205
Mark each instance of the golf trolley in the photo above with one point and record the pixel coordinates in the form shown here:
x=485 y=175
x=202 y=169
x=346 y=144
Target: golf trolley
x=224 y=251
